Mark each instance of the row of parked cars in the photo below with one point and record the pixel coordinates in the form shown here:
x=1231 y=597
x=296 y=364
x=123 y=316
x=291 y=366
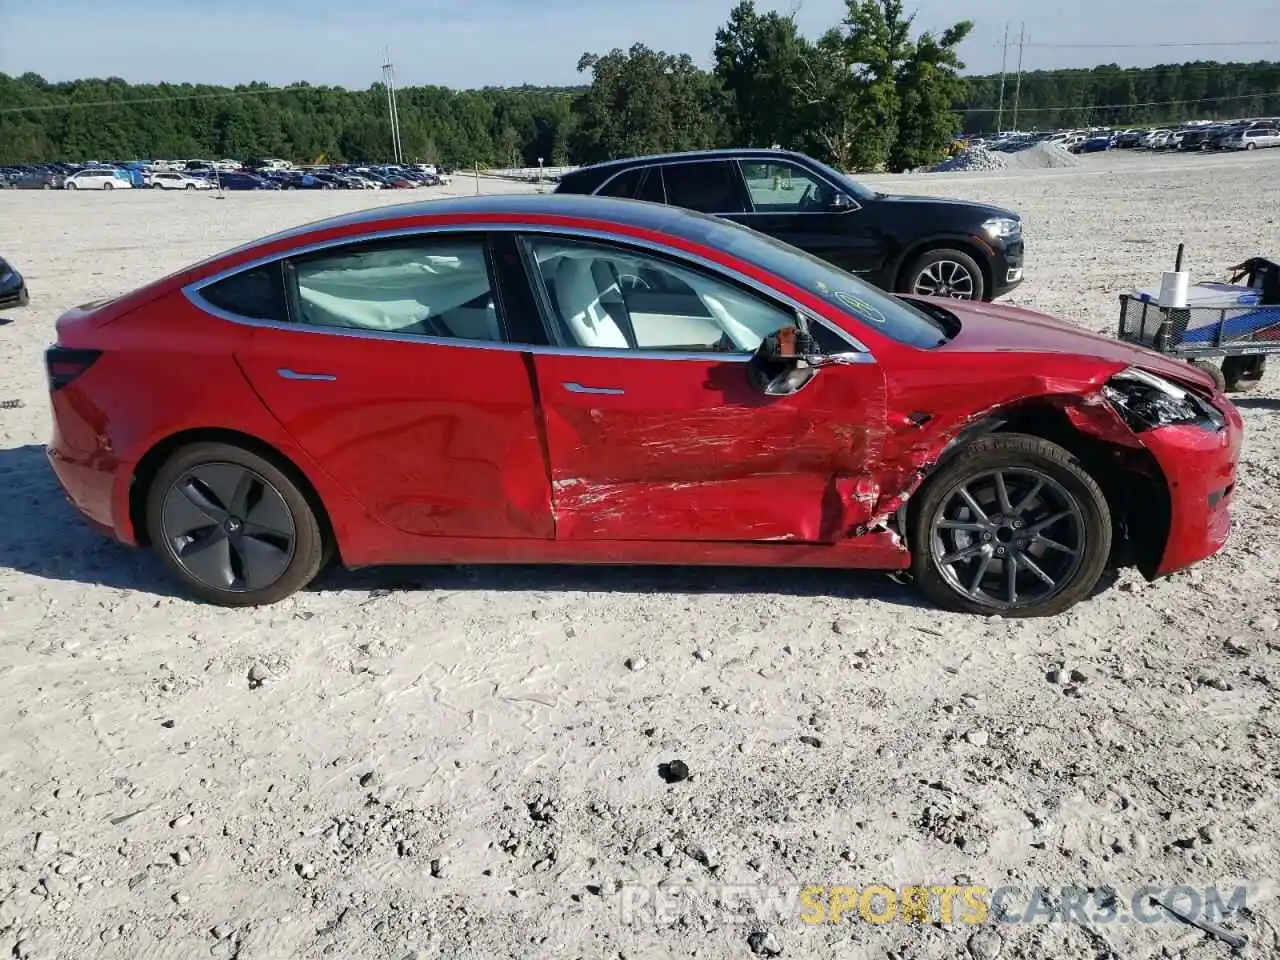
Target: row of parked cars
x=206 y=175
x=1245 y=134
x=1235 y=135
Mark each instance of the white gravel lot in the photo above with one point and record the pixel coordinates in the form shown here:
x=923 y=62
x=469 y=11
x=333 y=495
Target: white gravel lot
x=460 y=763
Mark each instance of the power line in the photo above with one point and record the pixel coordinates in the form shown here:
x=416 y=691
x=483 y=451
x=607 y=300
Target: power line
x=1124 y=106
x=1143 y=46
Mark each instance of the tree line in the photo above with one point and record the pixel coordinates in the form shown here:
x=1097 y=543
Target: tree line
x=870 y=93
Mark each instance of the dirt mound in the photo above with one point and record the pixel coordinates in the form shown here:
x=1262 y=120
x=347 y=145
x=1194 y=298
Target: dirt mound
x=974 y=158
x=1042 y=156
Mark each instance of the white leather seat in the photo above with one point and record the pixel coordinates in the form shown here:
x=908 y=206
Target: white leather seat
x=579 y=301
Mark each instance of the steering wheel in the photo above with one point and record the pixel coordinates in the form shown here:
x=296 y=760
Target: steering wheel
x=631 y=281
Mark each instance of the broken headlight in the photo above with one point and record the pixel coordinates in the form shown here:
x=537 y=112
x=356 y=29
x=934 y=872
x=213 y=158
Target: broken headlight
x=1146 y=401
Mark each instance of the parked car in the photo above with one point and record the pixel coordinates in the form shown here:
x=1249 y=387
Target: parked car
x=37 y=179
x=98 y=178
x=173 y=180
x=1129 y=139
x=921 y=245
x=1094 y=145
x=234 y=180
x=631 y=383
x=13 y=289
x=1253 y=138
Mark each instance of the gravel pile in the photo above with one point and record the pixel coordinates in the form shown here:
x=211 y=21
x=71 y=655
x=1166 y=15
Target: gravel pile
x=1042 y=156
x=974 y=158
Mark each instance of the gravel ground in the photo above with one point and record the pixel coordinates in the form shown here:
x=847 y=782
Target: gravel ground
x=465 y=762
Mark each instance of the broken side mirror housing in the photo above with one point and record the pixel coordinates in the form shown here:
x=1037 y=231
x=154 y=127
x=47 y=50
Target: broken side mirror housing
x=785 y=361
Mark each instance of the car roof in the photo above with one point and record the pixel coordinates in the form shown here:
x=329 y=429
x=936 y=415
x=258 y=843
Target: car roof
x=598 y=172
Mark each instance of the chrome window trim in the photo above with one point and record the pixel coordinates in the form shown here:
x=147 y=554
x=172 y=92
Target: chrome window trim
x=858 y=354
x=738 y=161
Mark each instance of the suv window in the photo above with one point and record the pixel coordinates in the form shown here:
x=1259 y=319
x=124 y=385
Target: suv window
x=785 y=188
x=609 y=297
x=432 y=287
x=652 y=189
x=708 y=186
x=623 y=185
x=256 y=294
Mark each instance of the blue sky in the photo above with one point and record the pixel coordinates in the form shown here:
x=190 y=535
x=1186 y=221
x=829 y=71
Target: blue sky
x=472 y=43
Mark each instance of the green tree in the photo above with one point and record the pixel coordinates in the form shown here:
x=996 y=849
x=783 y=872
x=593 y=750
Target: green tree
x=760 y=62
x=928 y=85
x=644 y=101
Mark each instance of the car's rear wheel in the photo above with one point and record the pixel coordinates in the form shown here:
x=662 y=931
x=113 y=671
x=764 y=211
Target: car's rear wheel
x=945 y=273
x=1013 y=526
x=108 y=186
x=233 y=527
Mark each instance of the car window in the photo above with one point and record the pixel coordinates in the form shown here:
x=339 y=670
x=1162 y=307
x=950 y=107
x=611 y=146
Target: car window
x=429 y=287
x=785 y=188
x=708 y=186
x=623 y=185
x=652 y=189
x=608 y=297
x=256 y=294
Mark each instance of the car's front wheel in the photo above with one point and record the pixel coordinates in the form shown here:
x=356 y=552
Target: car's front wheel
x=945 y=273
x=1011 y=525
x=232 y=526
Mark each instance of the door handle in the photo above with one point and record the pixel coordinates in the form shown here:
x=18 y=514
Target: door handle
x=579 y=388
x=294 y=375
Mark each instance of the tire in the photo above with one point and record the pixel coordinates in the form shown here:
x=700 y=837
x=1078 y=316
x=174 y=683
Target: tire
x=289 y=544
x=1242 y=374
x=1213 y=370
x=1064 y=490
x=1251 y=146
x=945 y=268
x=108 y=186
x=71 y=186
x=191 y=186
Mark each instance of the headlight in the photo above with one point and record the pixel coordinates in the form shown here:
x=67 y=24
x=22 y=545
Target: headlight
x=1001 y=228
x=1146 y=401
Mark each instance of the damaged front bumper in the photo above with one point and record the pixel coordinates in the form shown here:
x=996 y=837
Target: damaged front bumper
x=1195 y=441
x=1199 y=467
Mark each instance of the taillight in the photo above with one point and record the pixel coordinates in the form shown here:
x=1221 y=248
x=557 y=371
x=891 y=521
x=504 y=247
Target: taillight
x=64 y=364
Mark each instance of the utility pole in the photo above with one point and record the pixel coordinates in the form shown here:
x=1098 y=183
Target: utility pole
x=393 y=116
x=1004 y=62
x=1017 y=87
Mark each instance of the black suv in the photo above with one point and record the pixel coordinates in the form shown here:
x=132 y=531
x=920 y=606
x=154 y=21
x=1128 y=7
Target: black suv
x=922 y=245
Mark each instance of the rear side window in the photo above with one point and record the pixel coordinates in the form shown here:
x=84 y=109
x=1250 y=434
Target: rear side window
x=257 y=294
x=709 y=186
x=623 y=185
x=429 y=286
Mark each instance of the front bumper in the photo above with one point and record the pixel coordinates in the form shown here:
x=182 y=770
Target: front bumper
x=14 y=295
x=1006 y=268
x=1199 y=466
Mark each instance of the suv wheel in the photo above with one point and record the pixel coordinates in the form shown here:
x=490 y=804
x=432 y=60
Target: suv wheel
x=945 y=273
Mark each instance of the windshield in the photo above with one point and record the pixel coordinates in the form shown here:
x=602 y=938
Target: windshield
x=857 y=299
x=853 y=186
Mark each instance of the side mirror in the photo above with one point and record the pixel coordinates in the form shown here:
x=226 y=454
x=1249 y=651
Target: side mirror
x=785 y=361
x=841 y=202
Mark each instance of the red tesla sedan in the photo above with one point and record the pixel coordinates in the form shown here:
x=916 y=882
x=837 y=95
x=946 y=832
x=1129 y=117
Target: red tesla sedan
x=586 y=380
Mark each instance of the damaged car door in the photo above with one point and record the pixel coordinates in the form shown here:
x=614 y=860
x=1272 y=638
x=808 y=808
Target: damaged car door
x=655 y=426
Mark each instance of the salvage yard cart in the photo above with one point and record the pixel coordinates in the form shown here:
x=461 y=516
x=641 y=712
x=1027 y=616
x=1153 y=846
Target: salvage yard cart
x=1238 y=321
